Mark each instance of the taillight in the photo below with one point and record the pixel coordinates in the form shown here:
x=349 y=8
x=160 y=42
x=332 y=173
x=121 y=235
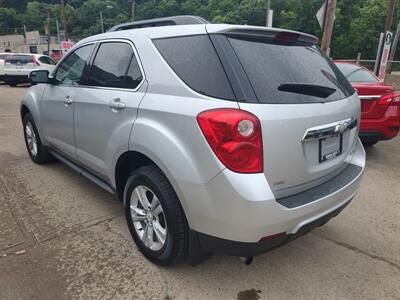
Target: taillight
x=34 y=61
x=235 y=137
x=390 y=99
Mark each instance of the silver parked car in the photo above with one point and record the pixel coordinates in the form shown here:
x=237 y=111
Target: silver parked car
x=217 y=138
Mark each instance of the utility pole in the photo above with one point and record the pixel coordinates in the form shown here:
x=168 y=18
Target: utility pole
x=58 y=34
x=389 y=16
x=268 y=8
x=394 y=48
x=328 y=26
x=64 y=18
x=48 y=31
x=25 y=33
x=133 y=9
x=101 y=22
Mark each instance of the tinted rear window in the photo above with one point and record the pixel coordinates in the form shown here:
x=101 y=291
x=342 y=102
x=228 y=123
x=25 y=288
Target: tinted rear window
x=21 y=59
x=270 y=66
x=355 y=73
x=195 y=61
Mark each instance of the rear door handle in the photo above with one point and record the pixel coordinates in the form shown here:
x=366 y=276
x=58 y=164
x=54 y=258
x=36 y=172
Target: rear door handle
x=67 y=101
x=116 y=104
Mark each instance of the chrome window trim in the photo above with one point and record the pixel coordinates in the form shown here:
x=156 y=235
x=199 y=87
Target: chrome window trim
x=331 y=129
x=136 y=56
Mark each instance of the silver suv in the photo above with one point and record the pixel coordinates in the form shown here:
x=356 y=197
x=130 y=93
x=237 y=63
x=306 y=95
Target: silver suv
x=217 y=138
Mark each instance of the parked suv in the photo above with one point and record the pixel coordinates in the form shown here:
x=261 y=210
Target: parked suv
x=217 y=138
x=17 y=67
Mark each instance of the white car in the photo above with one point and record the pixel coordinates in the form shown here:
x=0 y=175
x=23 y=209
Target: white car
x=2 y=57
x=17 y=67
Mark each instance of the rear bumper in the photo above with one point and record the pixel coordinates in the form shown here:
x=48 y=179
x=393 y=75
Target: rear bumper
x=385 y=128
x=210 y=244
x=16 y=78
x=239 y=211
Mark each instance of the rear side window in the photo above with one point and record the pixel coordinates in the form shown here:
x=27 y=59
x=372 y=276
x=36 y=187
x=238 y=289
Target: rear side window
x=115 y=65
x=355 y=73
x=195 y=61
x=280 y=73
x=46 y=60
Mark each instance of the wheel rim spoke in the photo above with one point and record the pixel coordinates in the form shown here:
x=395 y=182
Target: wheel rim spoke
x=137 y=214
x=160 y=232
x=141 y=194
x=154 y=203
x=148 y=235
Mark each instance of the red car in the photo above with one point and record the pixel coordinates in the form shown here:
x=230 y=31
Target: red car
x=380 y=104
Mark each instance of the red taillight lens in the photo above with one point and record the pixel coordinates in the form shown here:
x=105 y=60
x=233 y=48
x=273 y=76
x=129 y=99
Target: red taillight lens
x=390 y=99
x=235 y=137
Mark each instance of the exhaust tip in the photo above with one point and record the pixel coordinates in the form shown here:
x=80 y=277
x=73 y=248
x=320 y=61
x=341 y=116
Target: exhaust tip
x=247 y=260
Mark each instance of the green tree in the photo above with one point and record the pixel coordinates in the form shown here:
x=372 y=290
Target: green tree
x=9 y=20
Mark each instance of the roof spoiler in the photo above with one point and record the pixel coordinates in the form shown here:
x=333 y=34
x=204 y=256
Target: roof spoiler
x=168 y=21
x=276 y=34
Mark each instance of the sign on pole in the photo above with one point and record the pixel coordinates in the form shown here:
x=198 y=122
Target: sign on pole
x=65 y=46
x=270 y=16
x=321 y=15
x=385 y=55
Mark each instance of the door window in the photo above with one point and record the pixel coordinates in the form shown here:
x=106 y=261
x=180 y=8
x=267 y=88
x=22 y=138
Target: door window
x=115 y=66
x=46 y=60
x=71 y=69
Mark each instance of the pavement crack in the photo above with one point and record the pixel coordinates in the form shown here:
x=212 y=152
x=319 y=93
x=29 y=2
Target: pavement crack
x=358 y=250
x=80 y=227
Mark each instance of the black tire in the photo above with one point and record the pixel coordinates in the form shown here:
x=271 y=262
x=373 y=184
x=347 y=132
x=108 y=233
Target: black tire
x=369 y=144
x=42 y=156
x=12 y=84
x=175 y=247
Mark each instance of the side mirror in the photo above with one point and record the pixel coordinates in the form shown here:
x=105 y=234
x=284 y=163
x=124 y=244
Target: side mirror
x=39 y=76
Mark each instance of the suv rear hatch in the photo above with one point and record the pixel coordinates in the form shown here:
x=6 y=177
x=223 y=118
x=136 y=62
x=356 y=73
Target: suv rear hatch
x=19 y=63
x=282 y=78
x=297 y=91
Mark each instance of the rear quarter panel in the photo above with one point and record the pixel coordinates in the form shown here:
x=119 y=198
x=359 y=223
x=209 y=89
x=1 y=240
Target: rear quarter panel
x=166 y=128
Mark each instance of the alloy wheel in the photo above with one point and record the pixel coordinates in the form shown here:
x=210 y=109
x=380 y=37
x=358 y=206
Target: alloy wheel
x=148 y=218
x=31 y=139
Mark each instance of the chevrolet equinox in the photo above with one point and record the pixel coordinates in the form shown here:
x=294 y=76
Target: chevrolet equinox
x=217 y=138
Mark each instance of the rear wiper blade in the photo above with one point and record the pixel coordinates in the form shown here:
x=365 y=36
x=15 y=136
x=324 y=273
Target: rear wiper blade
x=307 y=89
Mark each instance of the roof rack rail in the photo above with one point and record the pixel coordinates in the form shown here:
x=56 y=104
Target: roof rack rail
x=167 y=21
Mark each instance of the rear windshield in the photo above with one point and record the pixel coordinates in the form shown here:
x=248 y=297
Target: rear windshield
x=270 y=67
x=278 y=73
x=21 y=59
x=355 y=73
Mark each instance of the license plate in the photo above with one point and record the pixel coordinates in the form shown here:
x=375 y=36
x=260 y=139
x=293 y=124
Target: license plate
x=330 y=147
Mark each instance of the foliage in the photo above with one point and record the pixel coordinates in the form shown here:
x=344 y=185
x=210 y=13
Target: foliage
x=357 y=26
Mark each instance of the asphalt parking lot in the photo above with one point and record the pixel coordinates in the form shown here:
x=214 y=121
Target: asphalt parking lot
x=62 y=237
